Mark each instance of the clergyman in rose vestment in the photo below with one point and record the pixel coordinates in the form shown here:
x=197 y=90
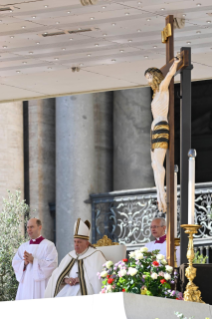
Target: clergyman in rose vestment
x=34 y=263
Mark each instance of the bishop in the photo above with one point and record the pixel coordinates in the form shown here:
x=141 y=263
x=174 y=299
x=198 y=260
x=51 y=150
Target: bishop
x=77 y=272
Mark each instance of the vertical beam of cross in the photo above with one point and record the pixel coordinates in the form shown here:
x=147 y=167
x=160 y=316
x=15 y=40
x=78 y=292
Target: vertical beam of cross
x=170 y=153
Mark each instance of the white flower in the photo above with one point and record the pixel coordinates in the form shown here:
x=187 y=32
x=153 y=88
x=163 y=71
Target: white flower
x=143 y=249
x=167 y=276
x=169 y=268
x=103 y=274
x=154 y=275
x=160 y=257
x=109 y=264
x=132 y=254
x=163 y=261
x=132 y=271
x=122 y=272
x=139 y=255
x=109 y=288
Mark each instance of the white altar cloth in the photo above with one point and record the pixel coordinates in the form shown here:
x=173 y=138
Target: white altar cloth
x=104 y=306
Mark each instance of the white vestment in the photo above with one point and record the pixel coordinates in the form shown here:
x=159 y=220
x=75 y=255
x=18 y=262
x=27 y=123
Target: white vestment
x=33 y=281
x=91 y=262
x=162 y=247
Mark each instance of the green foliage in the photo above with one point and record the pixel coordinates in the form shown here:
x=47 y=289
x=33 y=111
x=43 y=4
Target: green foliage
x=199 y=259
x=11 y=222
x=181 y=316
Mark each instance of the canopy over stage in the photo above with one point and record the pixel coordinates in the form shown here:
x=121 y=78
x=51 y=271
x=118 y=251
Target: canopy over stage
x=122 y=39
x=113 y=306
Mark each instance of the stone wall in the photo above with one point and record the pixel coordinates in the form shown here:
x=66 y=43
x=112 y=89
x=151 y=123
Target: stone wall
x=11 y=148
x=42 y=162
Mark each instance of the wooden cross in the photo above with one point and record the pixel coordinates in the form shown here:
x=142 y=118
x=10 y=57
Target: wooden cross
x=171 y=151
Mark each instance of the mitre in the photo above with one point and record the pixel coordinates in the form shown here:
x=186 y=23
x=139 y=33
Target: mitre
x=82 y=229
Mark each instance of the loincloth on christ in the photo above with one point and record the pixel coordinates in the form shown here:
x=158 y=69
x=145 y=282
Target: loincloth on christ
x=160 y=136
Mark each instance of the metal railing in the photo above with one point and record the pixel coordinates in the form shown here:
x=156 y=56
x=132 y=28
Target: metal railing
x=125 y=216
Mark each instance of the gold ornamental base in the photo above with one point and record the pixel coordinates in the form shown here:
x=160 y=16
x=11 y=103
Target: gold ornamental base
x=192 y=293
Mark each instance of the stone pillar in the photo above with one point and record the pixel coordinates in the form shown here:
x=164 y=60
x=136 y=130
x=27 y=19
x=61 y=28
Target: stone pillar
x=103 y=125
x=42 y=162
x=132 y=122
x=75 y=165
x=11 y=148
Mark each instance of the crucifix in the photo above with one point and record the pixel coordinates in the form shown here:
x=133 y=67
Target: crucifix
x=162 y=131
x=184 y=68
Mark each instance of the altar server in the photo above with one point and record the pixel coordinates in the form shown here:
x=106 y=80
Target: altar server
x=77 y=272
x=34 y=263
x=158 y=228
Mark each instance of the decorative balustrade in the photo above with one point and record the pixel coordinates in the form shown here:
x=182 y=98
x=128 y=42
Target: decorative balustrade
x=125 y=216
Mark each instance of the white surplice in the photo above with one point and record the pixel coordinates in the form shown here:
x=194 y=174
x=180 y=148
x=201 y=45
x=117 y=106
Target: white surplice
x=33 y=281
x=93 y=260
x=162 y=247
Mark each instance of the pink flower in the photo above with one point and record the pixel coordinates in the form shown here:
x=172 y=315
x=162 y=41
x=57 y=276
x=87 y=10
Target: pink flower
x=161 y=273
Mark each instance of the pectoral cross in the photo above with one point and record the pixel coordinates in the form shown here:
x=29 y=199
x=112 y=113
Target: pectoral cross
x=184 y=65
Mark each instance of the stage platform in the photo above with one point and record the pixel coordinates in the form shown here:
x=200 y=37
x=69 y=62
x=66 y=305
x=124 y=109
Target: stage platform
x=108 y=306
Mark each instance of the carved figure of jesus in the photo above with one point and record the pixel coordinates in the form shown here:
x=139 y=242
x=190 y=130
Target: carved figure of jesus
x=160 y=126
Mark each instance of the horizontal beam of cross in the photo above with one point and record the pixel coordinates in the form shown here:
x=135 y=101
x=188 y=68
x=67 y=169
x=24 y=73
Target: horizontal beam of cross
x=184 y=63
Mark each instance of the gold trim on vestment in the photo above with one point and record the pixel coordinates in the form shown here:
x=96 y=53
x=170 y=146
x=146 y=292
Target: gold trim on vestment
x=81 y=237
x=77 y=226
x=83 y=256
x=160 y=145
x=82 y=282
x=62 y=275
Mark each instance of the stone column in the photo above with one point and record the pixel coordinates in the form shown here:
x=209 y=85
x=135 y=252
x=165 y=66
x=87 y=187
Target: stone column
x=42 y=162
x=11 y=148
x=132 y=122
x=75 y=165
x=103 y=125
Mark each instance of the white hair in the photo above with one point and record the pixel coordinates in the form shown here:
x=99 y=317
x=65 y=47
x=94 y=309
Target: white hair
x=162 y=220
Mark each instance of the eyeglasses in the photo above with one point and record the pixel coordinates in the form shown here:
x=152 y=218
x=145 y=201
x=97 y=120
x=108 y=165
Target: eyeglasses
x=153 y=227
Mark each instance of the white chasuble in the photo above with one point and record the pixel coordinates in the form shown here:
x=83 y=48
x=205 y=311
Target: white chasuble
x=85 y=267
x=33 y=281
x=68 y=290
x=162 y=247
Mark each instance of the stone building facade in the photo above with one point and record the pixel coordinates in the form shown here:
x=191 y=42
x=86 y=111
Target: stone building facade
x=74 y=146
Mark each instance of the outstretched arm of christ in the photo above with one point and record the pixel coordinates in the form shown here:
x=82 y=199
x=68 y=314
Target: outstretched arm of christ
x=165 y=83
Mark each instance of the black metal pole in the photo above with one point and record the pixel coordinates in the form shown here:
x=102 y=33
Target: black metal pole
x=26 y=150
x=185 y=145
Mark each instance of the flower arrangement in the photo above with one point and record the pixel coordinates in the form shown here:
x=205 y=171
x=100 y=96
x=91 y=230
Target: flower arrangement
x=145 y=273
